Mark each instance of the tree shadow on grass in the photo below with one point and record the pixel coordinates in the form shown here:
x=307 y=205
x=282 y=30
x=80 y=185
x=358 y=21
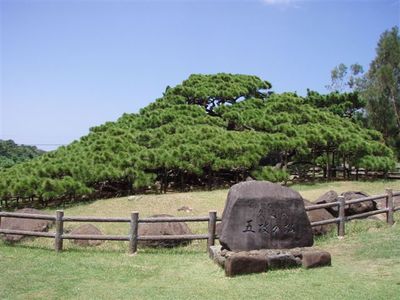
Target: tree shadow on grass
x=184 y=250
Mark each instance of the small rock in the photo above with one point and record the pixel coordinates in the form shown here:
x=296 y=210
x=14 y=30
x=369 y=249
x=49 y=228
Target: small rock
x=245 y=264
x=313 y=259
x=87 y=229
x=185 y=209
x=216 y=256
x=164 y=228
x=214 y=251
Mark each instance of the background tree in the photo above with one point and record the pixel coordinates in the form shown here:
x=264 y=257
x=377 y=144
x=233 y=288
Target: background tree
x=348 y=105
x=11 y=153
x=382 y=90
x=346 y=79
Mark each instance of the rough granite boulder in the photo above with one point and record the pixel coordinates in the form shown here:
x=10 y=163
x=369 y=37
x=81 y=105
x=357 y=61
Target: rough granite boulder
x=319 y=215
x=352 y=209
x=358 y=208
x=329 y=197
x=171 y=228
x=264 y=215
x=24 y=224
x=87 y=229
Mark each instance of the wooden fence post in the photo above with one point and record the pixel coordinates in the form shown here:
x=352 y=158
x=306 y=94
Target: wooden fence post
x=211 y=229
x=133 y=234
x=389 y=206
x=342 y=216
x=58 y=241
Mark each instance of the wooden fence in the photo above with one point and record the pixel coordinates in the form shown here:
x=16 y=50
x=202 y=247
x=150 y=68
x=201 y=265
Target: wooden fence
x=210 y=236
x=132 y=237
x=341 y=204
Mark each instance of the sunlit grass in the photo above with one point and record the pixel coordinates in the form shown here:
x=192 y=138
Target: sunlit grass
x=366 y=263
x=200 y=202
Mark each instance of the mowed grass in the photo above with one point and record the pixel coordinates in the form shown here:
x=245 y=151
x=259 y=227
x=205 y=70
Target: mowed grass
x=366 y=263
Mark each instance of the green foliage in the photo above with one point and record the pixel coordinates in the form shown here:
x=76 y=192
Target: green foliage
x=343 y=79
x=211 y=91
x=349 y=105
x=382 y=89
x=270 y=174
x=210 y=130
x=11 y=153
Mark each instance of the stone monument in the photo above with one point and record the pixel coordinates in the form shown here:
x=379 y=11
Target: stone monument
x=265 y=227
x=264 y=215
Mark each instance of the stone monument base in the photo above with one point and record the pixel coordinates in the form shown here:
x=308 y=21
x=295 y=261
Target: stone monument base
x=258 y=261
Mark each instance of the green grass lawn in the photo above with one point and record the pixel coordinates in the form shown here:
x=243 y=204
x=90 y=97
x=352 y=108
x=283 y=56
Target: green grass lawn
x=366 y=263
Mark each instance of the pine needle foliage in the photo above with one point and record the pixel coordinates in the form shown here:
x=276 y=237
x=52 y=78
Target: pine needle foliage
x=211 y=130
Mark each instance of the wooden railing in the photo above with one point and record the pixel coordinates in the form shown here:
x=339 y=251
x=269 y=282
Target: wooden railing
x=210 y=236
x=132 y=237
x=341 y=204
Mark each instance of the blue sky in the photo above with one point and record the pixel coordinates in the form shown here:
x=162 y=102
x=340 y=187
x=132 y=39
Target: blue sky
x=69 y=65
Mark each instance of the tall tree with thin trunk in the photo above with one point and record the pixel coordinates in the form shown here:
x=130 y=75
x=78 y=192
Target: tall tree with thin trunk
x=382 y=90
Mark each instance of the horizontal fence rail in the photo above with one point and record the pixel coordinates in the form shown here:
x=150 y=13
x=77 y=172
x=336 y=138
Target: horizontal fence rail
x=342 y=204
x=96 y=219
x=95 y=237
x=28 y=233
x=133 y=238
x=27 y=216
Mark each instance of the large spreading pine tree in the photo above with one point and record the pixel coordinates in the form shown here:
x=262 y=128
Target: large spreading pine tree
x=209 y=130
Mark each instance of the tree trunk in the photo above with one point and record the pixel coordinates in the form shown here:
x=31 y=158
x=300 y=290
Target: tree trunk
x=182 y=182
x=328 y=170
x=313 y=161
x=209 y=180
x=396 y=112
x=344 y=167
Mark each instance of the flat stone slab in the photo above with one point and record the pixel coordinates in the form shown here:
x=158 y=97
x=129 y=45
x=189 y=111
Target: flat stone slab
x=283 y=261
x=257 y=261
x=264 y=215
x=245 y=264
x=313 y=259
